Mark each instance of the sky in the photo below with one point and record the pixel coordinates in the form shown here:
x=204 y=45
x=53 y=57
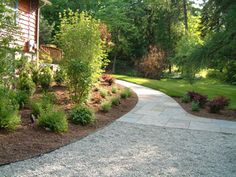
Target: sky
x=197 y=2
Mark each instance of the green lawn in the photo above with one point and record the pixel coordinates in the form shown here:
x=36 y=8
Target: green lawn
x=177 y=88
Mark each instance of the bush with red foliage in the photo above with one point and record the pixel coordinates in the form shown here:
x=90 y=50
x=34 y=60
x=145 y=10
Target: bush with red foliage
x=218 y=104
x=108 y=79
x=197 y=97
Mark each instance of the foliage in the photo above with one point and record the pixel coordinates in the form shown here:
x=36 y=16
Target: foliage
x=126 y=93
x=22 y=98
x=82 y=115
x=115 y=100
x=35 y=75
x=45 y=77
x=45 y=31
x=197 y=97
x=9 y=115
x=153 y=64
x=195 y=106
x=215 y=74
x=44 y=104
x=114 y=90
x=230 y=72
x=106 y=106
x=218 y=103
x=26 y=83
x=185 y=98
x=108 y=79
x=103 y=92
x=84 y=55
x=59 y=76
x=9 y=27
x=54 y=120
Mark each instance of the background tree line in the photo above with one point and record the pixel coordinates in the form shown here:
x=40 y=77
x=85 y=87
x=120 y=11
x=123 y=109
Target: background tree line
x=150 y=36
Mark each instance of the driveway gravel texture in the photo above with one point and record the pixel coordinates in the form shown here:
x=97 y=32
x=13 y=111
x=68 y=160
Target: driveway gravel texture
x=126 y=149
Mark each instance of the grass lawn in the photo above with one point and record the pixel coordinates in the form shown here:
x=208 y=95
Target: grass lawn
x=176 y=88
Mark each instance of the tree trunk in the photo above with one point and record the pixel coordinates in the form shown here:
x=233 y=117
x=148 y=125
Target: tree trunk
x=185 y=15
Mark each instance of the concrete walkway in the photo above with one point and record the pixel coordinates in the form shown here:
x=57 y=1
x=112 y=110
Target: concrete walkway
x=156 y=108
x=157 y=138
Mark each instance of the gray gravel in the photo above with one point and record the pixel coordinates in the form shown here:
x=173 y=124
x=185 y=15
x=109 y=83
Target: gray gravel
x=125 y=149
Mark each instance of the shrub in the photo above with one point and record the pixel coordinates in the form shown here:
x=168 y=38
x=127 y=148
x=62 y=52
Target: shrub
x=218 y=104
x=126 y=93
x=53 y=120
x=108 y=79
x=230 y=72
x=35 y=76
x=153 y=63
x=84 y=55
x=115 y=101
x=185 y=99
x=49 y=97
x=215 y=74
x=106 y=106
x=103 y=92
x=45 y=77
x=59 y=76
x=22 y=98
x=82 y=115
x=9 y=116
x=42 y=105
x=26 y=84
x=195 y=106
x=197 y=97
x=114 y=90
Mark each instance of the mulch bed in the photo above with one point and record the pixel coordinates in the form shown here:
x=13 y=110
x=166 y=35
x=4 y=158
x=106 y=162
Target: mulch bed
x=29 y=140
x=226 y=114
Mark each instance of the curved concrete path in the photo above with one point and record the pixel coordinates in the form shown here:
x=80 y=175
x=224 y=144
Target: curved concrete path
x=156 y=108
x=157 y=138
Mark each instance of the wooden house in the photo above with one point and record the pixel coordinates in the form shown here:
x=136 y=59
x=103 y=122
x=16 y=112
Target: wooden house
x=27 y=19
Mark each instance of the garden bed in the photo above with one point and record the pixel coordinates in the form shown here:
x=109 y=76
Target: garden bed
x=29 y=140
x=227 y=114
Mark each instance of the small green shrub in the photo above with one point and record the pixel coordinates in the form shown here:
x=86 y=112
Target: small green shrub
x=106 y=106
x=22 y=98
x=59 y=76
x=26 y=84
x=115 y=101
x=9 y=116
x=35 y=76
x=42 y=105
x=126 y=93
x=49 y=97
x=114 y=90
x=54 y=120
x=103 y=93
x=82 y=115
x=185 y=99
x=195 y=106
x=45 y=77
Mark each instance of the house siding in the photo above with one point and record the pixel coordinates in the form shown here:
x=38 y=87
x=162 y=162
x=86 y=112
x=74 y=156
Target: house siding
x=27 y=22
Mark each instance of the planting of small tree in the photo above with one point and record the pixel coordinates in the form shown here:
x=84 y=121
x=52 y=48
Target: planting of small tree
x=80 y=39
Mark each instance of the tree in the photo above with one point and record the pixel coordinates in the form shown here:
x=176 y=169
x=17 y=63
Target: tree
x=80 y=39
x=45 y=32
x=8 y=31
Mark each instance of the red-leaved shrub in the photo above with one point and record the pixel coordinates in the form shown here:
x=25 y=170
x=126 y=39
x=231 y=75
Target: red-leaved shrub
x=108 y=79
x=218 y=104
x=197 y=97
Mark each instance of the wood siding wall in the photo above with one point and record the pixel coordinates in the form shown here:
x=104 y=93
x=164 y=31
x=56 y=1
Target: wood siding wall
x=27 y=20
